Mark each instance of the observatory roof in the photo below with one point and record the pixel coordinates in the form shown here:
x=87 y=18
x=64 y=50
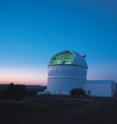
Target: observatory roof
x=68 y=57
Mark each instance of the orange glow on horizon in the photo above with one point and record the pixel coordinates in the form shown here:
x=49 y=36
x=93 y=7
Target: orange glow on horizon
x=18 y=75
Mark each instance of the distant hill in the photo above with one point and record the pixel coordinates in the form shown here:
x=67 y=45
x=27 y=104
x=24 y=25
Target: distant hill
x=35 y=88
x=3 y=86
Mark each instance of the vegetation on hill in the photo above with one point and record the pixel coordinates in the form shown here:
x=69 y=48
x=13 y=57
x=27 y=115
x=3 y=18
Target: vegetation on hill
x=14 y=92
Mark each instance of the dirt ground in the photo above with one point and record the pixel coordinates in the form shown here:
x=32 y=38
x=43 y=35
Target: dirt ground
x=59 y=110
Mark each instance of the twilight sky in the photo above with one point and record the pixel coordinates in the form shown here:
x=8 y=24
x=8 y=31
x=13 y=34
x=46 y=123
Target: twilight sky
x=31 y=31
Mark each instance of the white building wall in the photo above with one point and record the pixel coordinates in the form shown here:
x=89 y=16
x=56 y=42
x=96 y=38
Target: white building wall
x=99 y=88
x=64 y=78
x=114 y=88
x=67 y=71
x=64 y=85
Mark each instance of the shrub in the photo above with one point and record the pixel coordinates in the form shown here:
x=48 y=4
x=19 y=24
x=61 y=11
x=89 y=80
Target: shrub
x=77 y=92
x=14 y=92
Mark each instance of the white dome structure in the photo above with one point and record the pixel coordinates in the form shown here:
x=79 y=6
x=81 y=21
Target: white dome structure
x=66 y=70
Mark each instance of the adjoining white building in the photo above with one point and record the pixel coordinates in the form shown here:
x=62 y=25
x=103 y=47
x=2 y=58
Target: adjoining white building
x=104 y=88
x=68 y=70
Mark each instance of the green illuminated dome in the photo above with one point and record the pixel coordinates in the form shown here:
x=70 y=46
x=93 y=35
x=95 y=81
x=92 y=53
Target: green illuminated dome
x=68 y=57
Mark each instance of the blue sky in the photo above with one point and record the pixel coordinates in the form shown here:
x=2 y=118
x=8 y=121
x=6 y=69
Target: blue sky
x=32 y=31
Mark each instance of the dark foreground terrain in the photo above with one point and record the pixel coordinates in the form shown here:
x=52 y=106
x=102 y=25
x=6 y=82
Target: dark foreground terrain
x=59 y=110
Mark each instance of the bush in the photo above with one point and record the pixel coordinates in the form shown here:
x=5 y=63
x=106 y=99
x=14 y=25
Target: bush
x=77 y=92
x=14 y=92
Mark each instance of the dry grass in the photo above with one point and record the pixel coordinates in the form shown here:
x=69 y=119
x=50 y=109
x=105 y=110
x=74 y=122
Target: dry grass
x=58 y=110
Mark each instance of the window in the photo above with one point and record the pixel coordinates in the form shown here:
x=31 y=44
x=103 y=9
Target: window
x=66 y=57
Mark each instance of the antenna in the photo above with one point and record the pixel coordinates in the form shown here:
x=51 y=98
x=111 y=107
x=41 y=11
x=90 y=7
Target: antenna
x=83 y=55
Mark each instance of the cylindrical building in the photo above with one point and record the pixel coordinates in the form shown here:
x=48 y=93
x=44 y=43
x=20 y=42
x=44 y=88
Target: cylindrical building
x=66 y=70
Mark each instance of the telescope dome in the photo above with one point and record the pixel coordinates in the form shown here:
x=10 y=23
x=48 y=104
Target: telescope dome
x=66 y=70
x=68 y=57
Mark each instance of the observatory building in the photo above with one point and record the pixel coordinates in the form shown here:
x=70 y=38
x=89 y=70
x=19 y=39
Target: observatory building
x=68 y=70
